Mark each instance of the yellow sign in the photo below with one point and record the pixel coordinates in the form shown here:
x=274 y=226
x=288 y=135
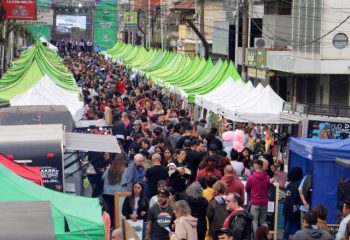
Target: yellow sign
x=182 y=31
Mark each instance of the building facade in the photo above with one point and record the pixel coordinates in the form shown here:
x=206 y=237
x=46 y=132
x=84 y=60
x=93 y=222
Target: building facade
x=307 y=57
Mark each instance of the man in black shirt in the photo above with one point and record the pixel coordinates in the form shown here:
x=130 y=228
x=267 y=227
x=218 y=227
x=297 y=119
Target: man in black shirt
x=186 y=136
x=193 y=158
x=159 y=218
x=154 y=174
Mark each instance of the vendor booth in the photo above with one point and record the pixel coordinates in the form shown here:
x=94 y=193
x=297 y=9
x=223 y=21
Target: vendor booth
x=73 y=217
x=318 y=157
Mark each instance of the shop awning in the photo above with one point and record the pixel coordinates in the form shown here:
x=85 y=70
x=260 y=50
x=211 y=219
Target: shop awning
x=26 y=220
x=91 y=142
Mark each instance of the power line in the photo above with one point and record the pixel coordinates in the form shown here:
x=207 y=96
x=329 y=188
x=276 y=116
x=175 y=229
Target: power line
x=305 y=43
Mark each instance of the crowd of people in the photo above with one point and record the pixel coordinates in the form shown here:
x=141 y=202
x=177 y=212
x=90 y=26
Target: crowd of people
x=184 y=183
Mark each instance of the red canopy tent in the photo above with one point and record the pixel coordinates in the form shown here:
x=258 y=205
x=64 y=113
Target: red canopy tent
x=31 y=173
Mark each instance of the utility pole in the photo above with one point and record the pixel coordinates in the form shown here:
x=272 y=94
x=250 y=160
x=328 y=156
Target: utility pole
x=3 y=47
x=236 y=34
x=244 y=37
x=250 y=16
x=161 y=25
x=149 y=25
x=201 y=19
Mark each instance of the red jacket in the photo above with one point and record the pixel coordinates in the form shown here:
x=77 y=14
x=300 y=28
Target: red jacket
x=121 y=87
x=257 y=185
x=204 y=173
x=233 y=184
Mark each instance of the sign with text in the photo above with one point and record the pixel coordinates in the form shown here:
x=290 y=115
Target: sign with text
x=260 y=59
x=20 y=9
x=44 y=17
x=130 y=19
x=106 y=24
x=250 y=57
x=337 y=130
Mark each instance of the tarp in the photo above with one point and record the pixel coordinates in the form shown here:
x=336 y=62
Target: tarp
x=46 y=92
x=31 y=67
x=74 y=217
x=31 y=173
x=32 y=115
x=91 y=142
x=26 y=220
x=318 y=158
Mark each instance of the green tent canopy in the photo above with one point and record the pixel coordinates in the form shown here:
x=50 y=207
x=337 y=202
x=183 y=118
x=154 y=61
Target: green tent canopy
x=187 y=76
x=74 y=217
x=33 y=64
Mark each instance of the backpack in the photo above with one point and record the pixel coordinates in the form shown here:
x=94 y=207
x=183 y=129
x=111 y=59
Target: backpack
x=241 y=224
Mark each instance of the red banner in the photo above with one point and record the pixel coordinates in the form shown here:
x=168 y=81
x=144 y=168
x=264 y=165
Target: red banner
x=20 y=9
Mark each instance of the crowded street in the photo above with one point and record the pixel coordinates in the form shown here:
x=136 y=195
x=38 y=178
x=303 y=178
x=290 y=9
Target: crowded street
x=111 y=129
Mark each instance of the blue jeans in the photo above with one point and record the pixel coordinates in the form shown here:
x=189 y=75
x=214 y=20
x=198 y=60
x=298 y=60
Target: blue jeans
x=290 y=227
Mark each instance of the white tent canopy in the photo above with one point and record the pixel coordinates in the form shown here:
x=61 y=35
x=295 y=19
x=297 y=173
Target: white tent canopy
x=46 y=92
x=226 y=90
x=241 y=102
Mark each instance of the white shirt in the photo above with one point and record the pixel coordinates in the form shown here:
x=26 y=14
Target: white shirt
x=153 y=201
x=238 y=167
x=342 y=228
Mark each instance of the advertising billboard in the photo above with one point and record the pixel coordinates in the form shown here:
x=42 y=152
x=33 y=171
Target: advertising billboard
x=20 y=9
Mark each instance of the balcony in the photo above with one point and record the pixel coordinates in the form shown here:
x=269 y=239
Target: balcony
x=317 y=109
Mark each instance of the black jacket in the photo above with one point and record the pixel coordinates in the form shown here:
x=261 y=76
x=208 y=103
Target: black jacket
x=198 y=210
x=178 y=182
x=143 y=205
x=241 y=224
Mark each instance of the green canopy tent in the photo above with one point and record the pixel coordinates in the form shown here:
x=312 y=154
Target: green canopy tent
x=31 y=67
x=74 y=217
x=189 y=77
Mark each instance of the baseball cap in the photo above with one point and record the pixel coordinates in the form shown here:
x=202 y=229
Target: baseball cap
x=164 y=192
x=227 y=231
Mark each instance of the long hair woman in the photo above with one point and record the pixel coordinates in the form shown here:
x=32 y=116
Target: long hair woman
x=185 y=224
x=135 y=207
x=112 y=183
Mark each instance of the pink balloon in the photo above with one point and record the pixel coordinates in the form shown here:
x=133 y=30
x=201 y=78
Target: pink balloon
x=228 y=136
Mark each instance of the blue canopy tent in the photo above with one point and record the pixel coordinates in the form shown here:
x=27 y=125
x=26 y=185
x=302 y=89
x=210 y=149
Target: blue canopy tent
x=318 y=157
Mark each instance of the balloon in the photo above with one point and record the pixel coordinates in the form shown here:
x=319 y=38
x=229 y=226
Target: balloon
x=238 y=138
x=228 y=136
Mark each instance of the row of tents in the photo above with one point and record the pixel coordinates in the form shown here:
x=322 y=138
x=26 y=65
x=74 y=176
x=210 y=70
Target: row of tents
x=39 y=77
x=217 y=87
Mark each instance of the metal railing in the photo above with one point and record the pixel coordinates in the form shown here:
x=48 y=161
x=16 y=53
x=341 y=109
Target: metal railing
x=329 y=110
x=317 y=109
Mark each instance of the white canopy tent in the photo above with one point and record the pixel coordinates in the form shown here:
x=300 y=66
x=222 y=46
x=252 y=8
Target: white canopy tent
x=46 y=92
x=241 y=102
x=212 y=100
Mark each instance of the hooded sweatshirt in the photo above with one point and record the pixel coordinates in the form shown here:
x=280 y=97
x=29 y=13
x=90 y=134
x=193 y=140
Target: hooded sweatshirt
x=257 y=185
x=233 y=184
x=312 y=233
x=185 y=228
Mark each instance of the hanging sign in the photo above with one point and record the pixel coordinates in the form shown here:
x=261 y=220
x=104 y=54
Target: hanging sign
x=20 y=9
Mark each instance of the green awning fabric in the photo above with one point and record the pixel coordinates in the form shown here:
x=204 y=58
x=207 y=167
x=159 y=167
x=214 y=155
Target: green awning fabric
x=33 y=64
x=188 y=76
x=74 y=217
